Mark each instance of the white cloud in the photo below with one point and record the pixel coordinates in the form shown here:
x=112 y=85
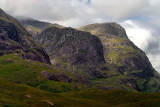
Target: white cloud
x=138 y=34
x=67 y=10
x=154 y=60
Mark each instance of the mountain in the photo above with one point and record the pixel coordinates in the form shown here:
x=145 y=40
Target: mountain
x=120 y=52
x=117 y=64
x=35 y=27
x=15 y=39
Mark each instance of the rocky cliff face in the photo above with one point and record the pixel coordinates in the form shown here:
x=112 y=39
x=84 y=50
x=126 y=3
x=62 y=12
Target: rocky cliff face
x=15 y=39
x=72 y=47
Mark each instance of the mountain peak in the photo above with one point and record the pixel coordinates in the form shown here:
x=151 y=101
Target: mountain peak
x=105 y=29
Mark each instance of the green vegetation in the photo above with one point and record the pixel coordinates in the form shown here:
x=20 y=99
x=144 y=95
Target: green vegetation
x=19 y=95
x=23 y=85
x=15 y=69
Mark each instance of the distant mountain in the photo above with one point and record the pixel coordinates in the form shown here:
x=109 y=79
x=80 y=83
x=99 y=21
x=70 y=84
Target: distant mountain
x=35 y=27
x=15 y=39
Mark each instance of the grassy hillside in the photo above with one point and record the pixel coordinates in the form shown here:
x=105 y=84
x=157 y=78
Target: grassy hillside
x=20 y=95
x=21 y=84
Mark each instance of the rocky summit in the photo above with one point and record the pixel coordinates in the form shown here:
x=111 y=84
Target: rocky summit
x=15 y=39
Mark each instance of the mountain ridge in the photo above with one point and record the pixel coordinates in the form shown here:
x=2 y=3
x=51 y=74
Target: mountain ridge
x=35 y=27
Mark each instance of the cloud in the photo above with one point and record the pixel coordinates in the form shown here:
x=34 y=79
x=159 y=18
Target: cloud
x=86 y=10
x=140 y=35
x=155 y=61
x=118 y=9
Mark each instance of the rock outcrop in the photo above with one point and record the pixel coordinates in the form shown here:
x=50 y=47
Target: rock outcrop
x=72 y=47
x=15 y=39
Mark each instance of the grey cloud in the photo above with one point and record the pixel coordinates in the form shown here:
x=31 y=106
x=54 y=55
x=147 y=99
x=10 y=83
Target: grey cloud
x=64 y=10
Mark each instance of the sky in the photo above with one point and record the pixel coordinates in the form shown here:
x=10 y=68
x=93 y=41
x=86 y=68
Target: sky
x=140 y=18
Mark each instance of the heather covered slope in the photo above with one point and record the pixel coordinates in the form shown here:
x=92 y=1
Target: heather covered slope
x=15 y=39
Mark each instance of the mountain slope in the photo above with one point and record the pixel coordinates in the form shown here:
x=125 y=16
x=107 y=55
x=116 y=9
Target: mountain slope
x=124 y=65
x=35 y=27
x=15 y=39
x=120 y=52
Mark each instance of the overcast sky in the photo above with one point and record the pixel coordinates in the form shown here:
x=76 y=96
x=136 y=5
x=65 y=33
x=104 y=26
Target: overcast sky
x=140 y=18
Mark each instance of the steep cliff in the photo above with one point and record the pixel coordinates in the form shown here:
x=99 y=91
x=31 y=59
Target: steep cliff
x=72 y=47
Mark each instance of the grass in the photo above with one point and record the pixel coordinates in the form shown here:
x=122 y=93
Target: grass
x=20 y=95
x=21 y=85
x=15 y=69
